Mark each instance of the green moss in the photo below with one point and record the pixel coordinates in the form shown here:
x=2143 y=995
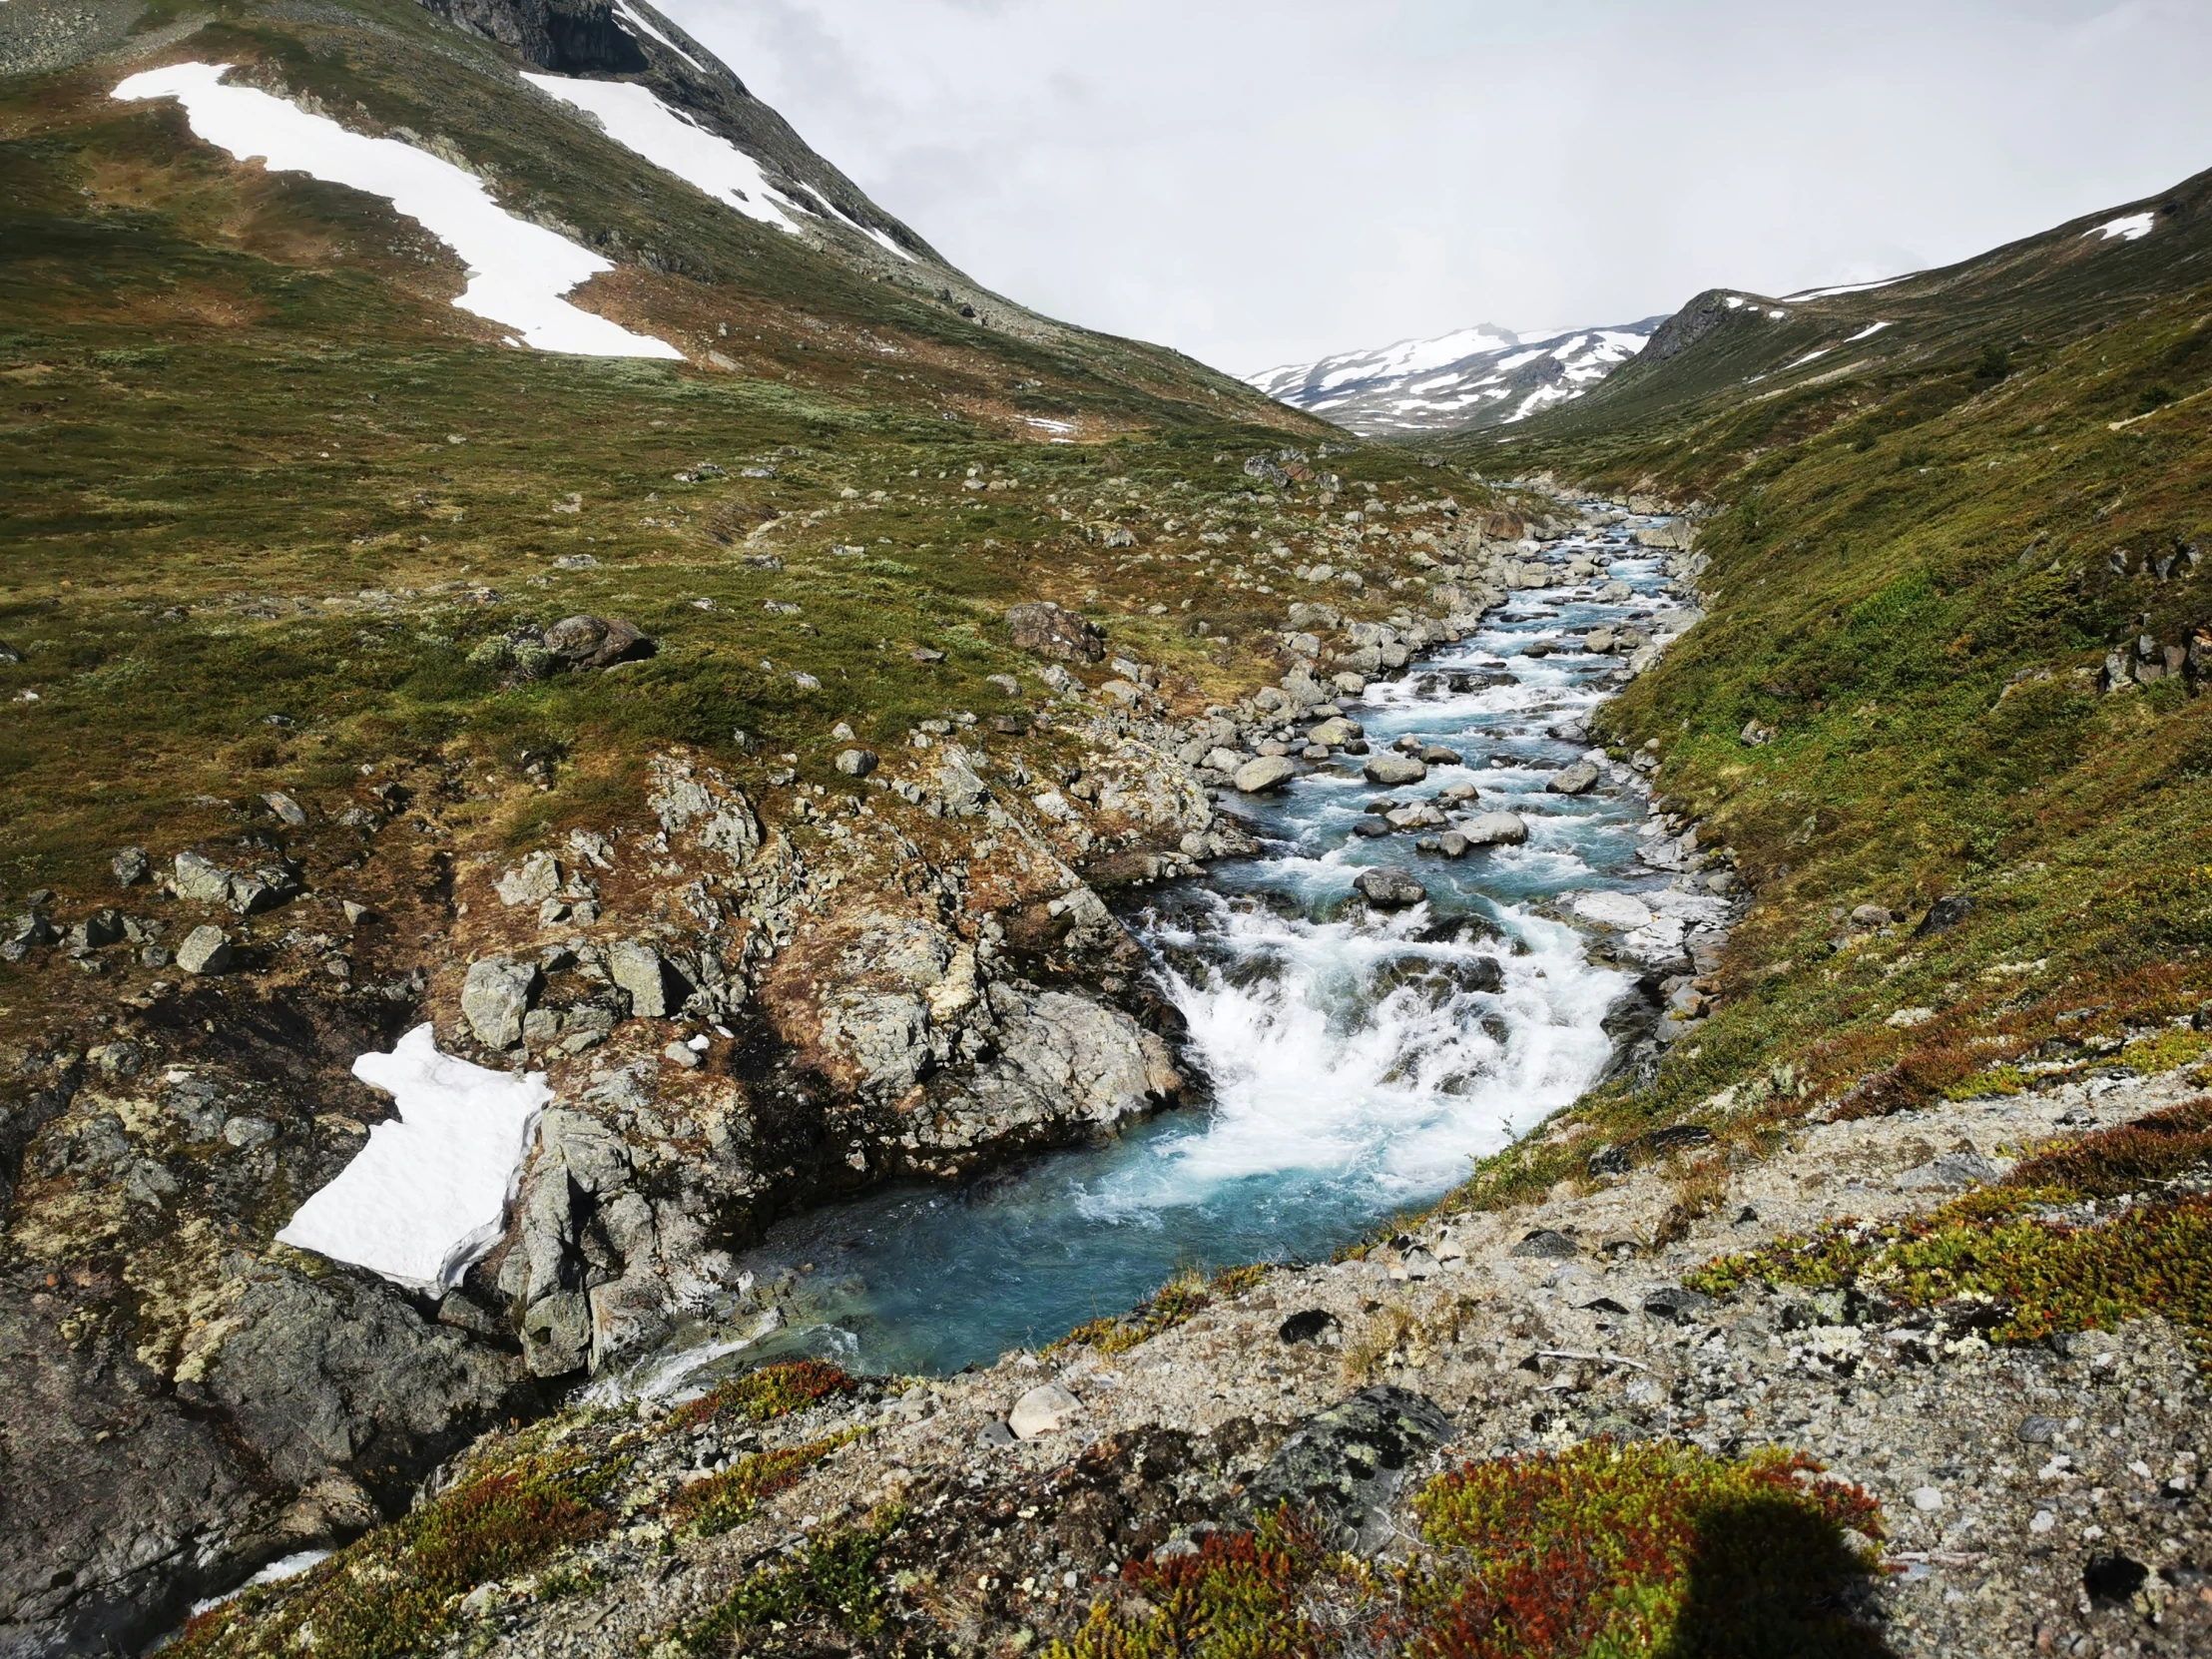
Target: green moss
x=1640 y=1549
x=1172 y=1304
x=397 y=1590
x=731 y=1498
x=1239 y=1594
x=764 y=1395
x=2037 y=1274
x=833 y=1582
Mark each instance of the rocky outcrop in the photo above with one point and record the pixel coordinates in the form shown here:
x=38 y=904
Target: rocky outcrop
x=1051 y=632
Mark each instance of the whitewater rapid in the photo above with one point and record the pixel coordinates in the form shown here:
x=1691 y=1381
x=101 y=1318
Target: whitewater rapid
x=1353 y=1062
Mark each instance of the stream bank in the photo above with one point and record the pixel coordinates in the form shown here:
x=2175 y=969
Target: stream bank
x=1351 y=1054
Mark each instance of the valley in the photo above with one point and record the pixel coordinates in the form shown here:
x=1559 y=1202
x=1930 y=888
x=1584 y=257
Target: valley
x=716 y=944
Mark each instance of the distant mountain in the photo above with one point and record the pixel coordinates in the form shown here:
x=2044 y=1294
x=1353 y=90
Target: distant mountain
x=1456 y=382
x=1728 y=348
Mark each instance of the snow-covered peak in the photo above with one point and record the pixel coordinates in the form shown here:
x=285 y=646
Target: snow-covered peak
x=1480 y=376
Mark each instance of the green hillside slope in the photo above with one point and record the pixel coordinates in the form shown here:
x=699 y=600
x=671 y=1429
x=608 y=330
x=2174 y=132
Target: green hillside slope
x=1960 y=588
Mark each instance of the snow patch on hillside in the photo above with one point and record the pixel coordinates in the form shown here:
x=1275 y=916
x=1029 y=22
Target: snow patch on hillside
x=627 y=15
x=517 y=272
x=2127 y=228
x=427 y=1197
x=674 y=143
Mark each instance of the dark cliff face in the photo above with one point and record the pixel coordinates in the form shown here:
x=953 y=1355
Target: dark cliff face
x=1687 y=326
x=562 y=37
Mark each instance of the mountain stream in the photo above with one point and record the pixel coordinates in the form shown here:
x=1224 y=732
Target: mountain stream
x=1354 y=1061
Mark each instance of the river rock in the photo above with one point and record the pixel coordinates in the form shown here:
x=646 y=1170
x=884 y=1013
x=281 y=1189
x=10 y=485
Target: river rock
x=1389 y=888
x=1044 y=1409
x=1496 y=829
x=588 y=642
x=1336 y=731
x=1268 y=772
x=495 y=996
x=1346 y=1463
x=1391 y=768
x=205 y=951
x=1046 y=629
x=1575 y=779
x=1614 y=910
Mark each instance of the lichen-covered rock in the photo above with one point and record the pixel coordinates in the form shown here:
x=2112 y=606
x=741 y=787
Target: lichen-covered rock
x=1348 y=1462
x=495 y=998
x=587 y=642
x=1048 y=631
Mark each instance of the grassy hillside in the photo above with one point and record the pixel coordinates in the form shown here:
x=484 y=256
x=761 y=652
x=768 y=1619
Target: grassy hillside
x=1965 y=589
x=270 y=490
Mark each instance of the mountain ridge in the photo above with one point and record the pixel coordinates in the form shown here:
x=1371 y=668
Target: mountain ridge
x=1464 y=380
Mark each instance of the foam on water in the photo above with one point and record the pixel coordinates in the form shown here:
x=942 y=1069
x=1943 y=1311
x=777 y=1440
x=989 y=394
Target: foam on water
x=1353 y=1062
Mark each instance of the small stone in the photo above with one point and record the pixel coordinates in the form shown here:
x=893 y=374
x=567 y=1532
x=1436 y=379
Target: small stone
x=1928 y=1499
x=245 y=1132
x=681 y=1054
x=589 y=642
x=130 y=867
x=855 y=763
x=1496 y=829
x=1044 y=1409
x=1453 y=844
x=1268 y=772
x=533 y=882
x=1672 y=1302
x=355 y=914
x=205 y=951
x=1547 y=1244
x=1389 y=888
x=2037 y=1430
x=637 y=967
x=1308 y=1326
x=200 y=880
x=285 y=809
x=495 y=996
x=1578 y=779
x=1390 y=769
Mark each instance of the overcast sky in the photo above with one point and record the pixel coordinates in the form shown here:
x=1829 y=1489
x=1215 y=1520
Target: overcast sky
x=1263 y=182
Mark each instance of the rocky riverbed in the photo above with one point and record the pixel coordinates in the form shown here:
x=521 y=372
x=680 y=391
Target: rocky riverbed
x=742 y=1007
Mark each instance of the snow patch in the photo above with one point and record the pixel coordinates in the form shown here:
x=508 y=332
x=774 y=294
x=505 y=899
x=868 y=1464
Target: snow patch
x=517 y=272
x=629 y=15
x=2126 y=228
x=427 y=1196
x=1844 y=287
x=1867 y=332
x=674 y=143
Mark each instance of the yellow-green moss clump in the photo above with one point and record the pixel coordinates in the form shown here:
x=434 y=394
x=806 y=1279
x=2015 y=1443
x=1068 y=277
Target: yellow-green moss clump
x=729 y=1498
x=1621 y=1550
x=398 y=1589
x=835 y=1581
x=2039 y=1272
x=762 y=1396
x=1179 y=1299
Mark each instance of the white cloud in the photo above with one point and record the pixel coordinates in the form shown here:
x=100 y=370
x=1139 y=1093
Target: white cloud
x=1266 y=183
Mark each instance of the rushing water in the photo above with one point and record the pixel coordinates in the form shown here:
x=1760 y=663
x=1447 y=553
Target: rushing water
x=1356 y=1062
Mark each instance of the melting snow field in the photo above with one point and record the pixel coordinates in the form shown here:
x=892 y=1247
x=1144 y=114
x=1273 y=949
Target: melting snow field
x=517 y=272
x=639 y=122
x=2126 y=228
x=428 y=1195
